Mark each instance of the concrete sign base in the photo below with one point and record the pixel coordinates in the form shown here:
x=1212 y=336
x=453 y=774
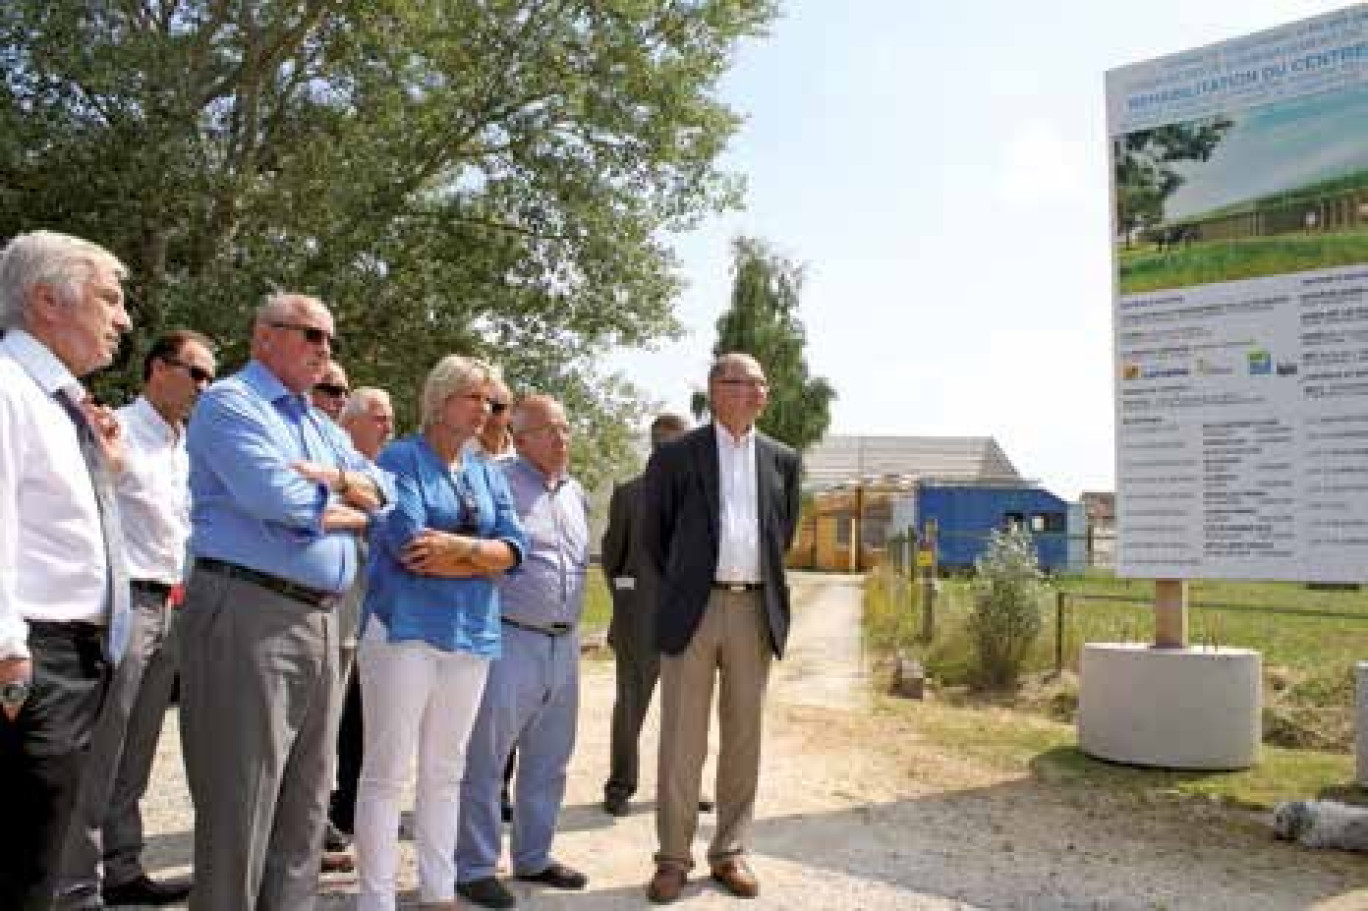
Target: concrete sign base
x=1173 y=708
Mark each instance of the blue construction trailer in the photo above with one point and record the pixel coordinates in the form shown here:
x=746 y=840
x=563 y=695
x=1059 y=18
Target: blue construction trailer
x=965 y=514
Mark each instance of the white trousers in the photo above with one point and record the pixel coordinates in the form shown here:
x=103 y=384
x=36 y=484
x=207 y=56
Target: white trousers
x=416 y=699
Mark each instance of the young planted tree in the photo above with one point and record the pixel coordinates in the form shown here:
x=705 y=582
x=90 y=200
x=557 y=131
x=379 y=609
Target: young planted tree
x=763 y=322
x=1005 y=620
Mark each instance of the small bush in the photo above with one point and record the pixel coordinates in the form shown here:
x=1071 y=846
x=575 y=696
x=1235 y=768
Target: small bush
x=1005 y=620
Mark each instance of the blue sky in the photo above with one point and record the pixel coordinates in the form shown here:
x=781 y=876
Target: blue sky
x=940 y=169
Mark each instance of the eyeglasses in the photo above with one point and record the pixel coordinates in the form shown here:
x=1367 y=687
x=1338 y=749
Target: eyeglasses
x=750 y=382
x=564 y=430
x=497 y=407
x=198 y=374
x=332 y=390
x=312 y=334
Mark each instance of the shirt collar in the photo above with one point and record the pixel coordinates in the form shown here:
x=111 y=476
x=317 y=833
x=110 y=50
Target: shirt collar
x=39 y=362
x=725 y=438
x=548 y=483
x=150 y=415
x=266 y=384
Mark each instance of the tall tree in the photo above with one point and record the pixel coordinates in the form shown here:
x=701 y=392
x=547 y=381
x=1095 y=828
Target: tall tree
x=486 y=176
x=1143 y=164
x=763 y=322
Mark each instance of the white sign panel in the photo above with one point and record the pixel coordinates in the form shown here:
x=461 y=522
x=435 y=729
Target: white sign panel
x=1240 y=206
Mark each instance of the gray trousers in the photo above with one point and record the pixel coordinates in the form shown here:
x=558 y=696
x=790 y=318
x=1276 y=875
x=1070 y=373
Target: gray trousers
x=729 y=650
x=637 y=667
x=258 y=720
x=106 y=824
x=531 y=702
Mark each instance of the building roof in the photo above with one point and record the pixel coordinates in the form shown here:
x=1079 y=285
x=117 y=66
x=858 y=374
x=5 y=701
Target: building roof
x=841 y=459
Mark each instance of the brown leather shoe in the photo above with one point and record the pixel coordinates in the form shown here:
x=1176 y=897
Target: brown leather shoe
x=336 y=862
x=737 y=878
x=667 y=883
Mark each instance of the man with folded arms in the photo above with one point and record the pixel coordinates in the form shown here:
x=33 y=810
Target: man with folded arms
x=720 y=511
x=279 y=495
x=531 y=699
x=63 y=594
x=105 y=840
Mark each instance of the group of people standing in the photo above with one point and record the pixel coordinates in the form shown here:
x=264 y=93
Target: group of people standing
x=300 y=569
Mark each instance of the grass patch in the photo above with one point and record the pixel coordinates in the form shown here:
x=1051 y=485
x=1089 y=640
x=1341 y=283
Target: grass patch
x=598 y=603
x=1310 y=641
x=1147 y=269
x=1048 y=750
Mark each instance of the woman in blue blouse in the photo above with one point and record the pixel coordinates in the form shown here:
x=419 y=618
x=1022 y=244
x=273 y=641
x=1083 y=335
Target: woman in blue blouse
x=430 y=630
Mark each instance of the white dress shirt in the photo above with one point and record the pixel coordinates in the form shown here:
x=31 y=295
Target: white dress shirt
x=52 y=554
x=154 y=495
x=738 y=548
x=476 y=447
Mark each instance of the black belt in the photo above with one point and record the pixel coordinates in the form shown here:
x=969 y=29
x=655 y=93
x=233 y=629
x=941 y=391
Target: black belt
x=67 y=629
x=151 y=586
x=555 y=629
x=283 y=587
x=737 y=588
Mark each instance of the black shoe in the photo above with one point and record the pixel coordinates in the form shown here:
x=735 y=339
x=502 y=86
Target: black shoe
x=334 y=839
x=86 y=898
x=144 y=891
x=487 y=893
x=616 y=805
x=557 y=876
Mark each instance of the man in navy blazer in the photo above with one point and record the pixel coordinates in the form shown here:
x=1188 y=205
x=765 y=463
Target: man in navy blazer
x=720 y=510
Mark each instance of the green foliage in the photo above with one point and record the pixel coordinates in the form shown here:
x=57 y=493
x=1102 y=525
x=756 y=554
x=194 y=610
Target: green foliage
x=892 y=607
x=763 y=322
x=482 y=176
x=1006 y=620
x=598 y=603
x=1212 y=261
x=1143 y=166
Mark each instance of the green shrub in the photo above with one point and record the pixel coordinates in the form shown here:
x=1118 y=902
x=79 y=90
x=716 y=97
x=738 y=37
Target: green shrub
x=1005 y=620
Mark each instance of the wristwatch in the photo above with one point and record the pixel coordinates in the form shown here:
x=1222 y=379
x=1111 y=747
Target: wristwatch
x=14 y=694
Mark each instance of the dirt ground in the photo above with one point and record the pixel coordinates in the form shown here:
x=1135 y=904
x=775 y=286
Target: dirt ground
x=857 y=811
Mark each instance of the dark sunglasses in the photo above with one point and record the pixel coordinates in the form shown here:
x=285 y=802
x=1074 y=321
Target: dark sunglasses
x=198 y=374
x=332 y=390
x=312 y=334
x=497 y=407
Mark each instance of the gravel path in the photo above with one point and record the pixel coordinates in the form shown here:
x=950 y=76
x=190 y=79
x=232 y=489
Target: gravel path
x=857 y=812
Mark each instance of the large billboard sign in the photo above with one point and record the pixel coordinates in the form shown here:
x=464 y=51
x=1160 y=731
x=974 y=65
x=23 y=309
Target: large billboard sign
x=1240 y=237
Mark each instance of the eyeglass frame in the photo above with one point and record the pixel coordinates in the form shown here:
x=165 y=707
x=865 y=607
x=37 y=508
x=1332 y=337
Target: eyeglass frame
x=196 y=373
x=333 y=390
x=314 y=335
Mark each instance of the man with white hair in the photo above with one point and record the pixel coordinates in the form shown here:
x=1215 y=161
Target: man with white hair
x=368 y=418
x=63 y=594
x=279 y=495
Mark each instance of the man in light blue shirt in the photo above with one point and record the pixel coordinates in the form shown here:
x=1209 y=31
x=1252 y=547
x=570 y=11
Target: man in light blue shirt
x=531 y=700
x=279 y=495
